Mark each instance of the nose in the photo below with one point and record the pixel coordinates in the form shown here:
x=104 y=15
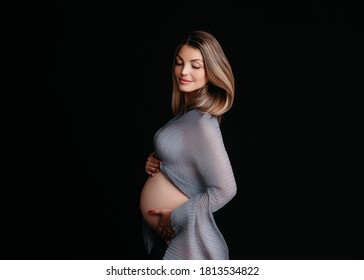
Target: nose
x=185 y=70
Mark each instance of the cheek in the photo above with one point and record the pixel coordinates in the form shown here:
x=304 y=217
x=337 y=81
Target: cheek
x=177 y=71
x=202 y=78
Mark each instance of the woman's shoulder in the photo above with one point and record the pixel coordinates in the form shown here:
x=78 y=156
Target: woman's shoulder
x=203 y=128
x=201 y=122
x=202 y=118
x=198 y=114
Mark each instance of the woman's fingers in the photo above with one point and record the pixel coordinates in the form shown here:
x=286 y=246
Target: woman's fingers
x=154 y=212
x=152 y=165
x=165 y=229
x=166 y=234
x=150 y=169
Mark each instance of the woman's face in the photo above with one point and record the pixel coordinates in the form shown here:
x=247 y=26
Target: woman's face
x=189 y=70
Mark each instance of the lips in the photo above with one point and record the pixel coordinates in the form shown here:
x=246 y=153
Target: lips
x=184 y=81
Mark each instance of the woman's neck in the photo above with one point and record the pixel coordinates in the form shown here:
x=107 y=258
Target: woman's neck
x=189 y=96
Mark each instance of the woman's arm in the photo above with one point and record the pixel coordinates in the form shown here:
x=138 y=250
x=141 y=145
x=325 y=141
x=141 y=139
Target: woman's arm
x=212 y=165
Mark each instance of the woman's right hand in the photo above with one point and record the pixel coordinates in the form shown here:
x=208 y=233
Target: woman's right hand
x=152 y=166
x=165 y=229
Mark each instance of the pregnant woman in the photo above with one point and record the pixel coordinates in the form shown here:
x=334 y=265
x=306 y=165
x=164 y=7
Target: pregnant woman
x=190 y=172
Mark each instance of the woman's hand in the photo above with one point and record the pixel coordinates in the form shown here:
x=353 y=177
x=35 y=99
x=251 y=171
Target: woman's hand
x=164 y=229
x=152 y=165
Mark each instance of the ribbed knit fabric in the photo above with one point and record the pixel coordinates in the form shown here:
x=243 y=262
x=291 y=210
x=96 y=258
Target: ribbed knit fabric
x=194 y=158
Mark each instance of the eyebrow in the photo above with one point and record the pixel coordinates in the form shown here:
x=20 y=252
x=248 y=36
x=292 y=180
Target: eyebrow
x=193 y=60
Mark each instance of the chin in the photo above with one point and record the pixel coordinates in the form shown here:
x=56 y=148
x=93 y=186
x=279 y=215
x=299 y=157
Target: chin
x=187 y=89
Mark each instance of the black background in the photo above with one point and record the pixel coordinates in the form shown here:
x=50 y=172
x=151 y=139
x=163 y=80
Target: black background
x=294 y=134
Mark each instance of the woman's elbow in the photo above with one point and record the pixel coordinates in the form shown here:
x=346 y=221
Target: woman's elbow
x=233 y=190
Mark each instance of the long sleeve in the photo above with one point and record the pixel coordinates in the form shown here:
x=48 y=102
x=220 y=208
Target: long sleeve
x=193 y=222
x=212 y=164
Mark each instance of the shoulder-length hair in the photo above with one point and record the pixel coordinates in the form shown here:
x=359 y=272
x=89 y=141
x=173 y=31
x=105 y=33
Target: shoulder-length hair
x=217 y=96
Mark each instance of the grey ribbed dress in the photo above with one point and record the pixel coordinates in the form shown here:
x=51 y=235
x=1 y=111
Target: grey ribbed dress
x=194 y=158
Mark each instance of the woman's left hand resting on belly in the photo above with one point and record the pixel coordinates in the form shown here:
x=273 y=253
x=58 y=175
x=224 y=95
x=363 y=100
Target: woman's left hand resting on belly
x=165 y=229
x=152 y=165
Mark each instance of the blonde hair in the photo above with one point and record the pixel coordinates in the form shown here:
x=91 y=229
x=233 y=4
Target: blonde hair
x=217 y=96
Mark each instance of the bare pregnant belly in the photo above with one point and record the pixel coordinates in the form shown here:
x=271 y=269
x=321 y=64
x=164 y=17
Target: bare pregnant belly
x=158 y=192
